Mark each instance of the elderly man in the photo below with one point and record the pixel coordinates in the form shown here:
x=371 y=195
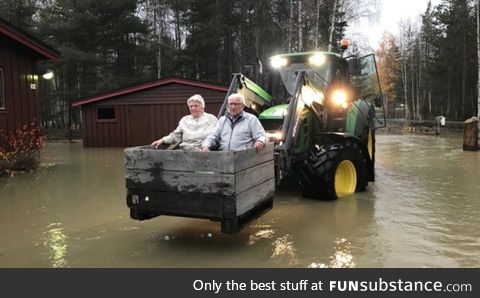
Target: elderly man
x=192 y=129
x=238 y=130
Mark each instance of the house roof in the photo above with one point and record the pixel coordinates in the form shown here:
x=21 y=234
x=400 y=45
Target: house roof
x=145 y=86
x=28 y=40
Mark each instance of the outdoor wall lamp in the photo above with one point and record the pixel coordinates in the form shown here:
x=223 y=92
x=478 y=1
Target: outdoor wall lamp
x=48 y=75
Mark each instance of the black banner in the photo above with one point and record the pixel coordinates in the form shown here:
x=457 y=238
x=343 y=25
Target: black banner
x=239 y=282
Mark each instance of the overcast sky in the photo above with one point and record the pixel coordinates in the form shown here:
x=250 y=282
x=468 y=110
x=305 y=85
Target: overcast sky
x=392 y=12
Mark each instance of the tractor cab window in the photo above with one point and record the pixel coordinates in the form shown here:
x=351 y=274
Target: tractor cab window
x=367 y=81
x=318 y=76
x=341 y=72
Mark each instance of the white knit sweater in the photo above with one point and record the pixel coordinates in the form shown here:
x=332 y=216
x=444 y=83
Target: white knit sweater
x=192 y=131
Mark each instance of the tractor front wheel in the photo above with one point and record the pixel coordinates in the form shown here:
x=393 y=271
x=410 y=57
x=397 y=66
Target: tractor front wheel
x=334 y=172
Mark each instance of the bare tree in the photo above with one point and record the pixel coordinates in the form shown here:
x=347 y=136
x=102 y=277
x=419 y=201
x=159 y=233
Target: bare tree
x=156 y=13
x=317 y=24
x=300 y=27
x=388 y=71
x=406 y=44
x=290 y=28
x=354 y=10
x=332 y=25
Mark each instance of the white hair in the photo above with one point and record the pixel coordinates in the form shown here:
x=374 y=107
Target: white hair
x=198 y=98
x=237 y=96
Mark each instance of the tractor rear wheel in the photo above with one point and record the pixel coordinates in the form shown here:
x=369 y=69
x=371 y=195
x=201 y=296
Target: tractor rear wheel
x=334 y=172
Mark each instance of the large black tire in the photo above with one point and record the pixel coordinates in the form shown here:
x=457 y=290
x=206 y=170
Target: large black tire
x=321 y=166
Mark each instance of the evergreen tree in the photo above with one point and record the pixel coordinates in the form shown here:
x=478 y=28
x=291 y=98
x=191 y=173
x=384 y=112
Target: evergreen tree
x=19 y=13
x=99 y=42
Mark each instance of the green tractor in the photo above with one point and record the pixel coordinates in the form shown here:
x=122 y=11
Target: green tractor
x=323 y=124
x=321 y=120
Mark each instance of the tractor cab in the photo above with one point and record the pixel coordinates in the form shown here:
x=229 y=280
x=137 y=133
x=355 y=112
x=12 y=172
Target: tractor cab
x=329 y=88
x=324 y=88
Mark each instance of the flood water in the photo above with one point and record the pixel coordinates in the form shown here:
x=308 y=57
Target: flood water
x=422 y=211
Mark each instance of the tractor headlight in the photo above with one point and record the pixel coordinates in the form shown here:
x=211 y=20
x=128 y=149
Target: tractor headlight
x=340 y=98
x=278 y=62
x=317 y=59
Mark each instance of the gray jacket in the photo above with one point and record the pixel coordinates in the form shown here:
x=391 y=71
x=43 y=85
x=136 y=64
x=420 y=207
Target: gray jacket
x=237 y=135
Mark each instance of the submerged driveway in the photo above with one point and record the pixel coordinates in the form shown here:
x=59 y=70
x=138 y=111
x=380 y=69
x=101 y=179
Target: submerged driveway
x=422 y=211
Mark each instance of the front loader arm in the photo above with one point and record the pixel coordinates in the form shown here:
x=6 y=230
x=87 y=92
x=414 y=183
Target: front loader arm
x=232 y=89
x=256 y=98
x=285 y=150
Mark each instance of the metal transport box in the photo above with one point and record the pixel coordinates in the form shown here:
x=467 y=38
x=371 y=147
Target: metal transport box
x=232 y=187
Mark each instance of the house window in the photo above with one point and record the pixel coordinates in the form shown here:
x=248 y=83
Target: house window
x=2 y=90
x=105 y=114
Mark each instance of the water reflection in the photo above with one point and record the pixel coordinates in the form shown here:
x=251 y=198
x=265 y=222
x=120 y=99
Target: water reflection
x=56 y=242
x=342 y=257
x=284 y=250
x=263 y=231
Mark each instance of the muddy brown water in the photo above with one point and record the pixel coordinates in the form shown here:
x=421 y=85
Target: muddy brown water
x=422 y=211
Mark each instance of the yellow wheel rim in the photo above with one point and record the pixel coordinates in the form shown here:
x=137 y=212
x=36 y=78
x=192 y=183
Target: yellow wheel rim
x=345 y=178
x=370 y=144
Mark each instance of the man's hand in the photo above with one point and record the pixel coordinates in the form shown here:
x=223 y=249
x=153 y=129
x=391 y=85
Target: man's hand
x=258 y=145
x=157 y=143
x=205 y=149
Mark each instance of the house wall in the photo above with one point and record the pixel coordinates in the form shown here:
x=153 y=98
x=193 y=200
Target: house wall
x=21 y=101
x=143 y=116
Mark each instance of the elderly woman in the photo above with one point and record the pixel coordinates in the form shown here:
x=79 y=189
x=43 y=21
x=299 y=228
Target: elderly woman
x=192 y=129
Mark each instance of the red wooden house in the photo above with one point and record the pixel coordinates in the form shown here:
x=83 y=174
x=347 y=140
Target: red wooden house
x=19 y=92
x=143 y=113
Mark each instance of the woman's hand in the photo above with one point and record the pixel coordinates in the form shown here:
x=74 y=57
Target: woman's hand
x=157 y=143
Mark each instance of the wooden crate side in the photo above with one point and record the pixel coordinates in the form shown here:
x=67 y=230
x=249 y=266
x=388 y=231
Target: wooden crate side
x=188 y=205
x=247 y=200
x=181 y=182
x=253 y=176
x=179 y=160
x=245 y=159
x=144 y=157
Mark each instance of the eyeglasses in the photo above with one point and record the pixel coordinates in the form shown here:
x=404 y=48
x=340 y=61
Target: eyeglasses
x=235 y=103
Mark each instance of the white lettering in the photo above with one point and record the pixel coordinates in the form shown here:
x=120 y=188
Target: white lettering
x=200 y=285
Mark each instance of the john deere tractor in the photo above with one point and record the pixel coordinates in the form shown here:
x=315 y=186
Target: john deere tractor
x=322 y=118
x=321 y=111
